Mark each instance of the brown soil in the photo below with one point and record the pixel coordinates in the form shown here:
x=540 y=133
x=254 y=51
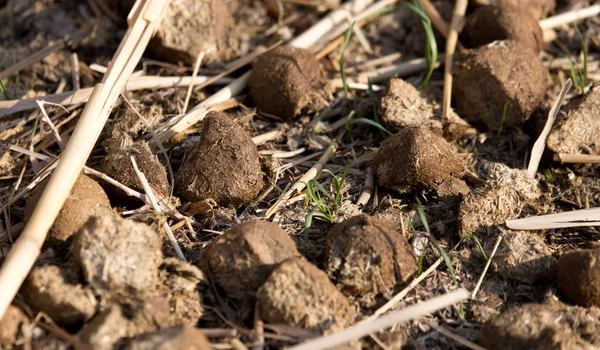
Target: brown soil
x=366 y=256
x=577 y=128
x=182 y=337
x=578 y=276
x=414 y=159
x=403 y=105
x=223 y=166
x=298 y=294
x=288 y=81
x=502 y=72
x=11 y=325
x=182 y=283
x=452 y=187
x=491 y=23
x=240 y=260
x=87 y=199
x=538 y=8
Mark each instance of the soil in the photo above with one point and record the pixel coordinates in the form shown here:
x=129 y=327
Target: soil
x=578 y=276
x=181 y=337
x=539 y=8
x=11 y=324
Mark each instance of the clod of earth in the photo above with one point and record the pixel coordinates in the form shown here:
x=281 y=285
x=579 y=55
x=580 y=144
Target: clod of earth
x=287 y=82
x=577 y=127
x=117 y=164
x=487 y=78
x=240 y=260
x=298 y=294
x=11 y=325
x=538 y=8
x=506 y=194
x=223 y=166
x=542 y=327
x=182 y=284
x=190 y=27
x=415 y=159
x=56 y=292
x=403 y=105
x=506 y=22
x=453 y=187
x=87 y=199
x=118 y=256
x=180 y=337
x=7 y=162
x=367 y=256
x=578 y=275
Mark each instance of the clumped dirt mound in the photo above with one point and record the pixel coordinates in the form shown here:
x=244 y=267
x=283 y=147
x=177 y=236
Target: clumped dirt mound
x=298 y=294
x=500 y=73
x=578 y=276
x=508 y=22
x=87 y=199
x=577 y=128
x=241 y=260
x=403 y=105
x=190 y=27
x=414 y=159
x=182 y=284
x=541 y=327
x=223 y=166
x=288 y=81
x=366 y=256
x=182 y=337
x=11 y=325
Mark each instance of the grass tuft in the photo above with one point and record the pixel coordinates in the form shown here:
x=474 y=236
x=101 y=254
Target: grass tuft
x=580 y=76
x=326 y=203
x=431 y=51
x=341 y=61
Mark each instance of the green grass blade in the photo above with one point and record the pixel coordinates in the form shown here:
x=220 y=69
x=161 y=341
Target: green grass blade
x=504 y=112
x=308 y=219
x=341 y=61
x=370 y=122
x=584 y=73
x=431 y=51
x=349 y=126
x=3 y=89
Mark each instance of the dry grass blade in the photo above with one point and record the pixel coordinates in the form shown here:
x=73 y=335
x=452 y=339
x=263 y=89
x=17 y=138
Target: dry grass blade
x=487 y=266
x=457 y=338
x=576 y=218
x=577 y=158
x=435 y=17
x=540 y=143
x=570 y=17
x=360 y=330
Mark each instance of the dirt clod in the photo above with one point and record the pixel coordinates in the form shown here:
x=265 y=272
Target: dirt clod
x=87 y=198
x=181 y=283
x=118 y=255
x=578 y=276
x=403 y=105
x=174 y=338
x=538 y=8
x=223 y=166
x=287 y=81
x=414 y=159
x=365 y=255
x=499 y=73
x=241 y=260
x=12 y=322
x=577 y=127
x=490 y=23
x=300 y=295
x=453 y=187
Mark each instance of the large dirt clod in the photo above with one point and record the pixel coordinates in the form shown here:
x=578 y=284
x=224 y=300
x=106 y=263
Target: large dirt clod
x=491 y=76
x=118 y=256
x=298 y=294
x=223 y=166
x=87 y=199
x=403 y=105
x=174 y=338
x=288 y=81
x=415 y=159
x=578 y=276
x=365 y=255
x=241 y=260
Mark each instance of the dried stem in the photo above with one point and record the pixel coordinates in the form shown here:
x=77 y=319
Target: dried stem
x=487 y=266
x=577 y=158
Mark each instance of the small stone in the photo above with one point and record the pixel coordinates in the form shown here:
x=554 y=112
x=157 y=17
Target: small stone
x=298 y=294
x=578 y=276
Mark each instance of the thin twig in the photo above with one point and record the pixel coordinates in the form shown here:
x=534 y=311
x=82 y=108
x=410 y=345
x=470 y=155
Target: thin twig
x=457 y=338
x=435 y=17
x=487 y=266
x=368 y=189
x=49 y=122
x=570 y=17
x=188 y=95
x=577 y=158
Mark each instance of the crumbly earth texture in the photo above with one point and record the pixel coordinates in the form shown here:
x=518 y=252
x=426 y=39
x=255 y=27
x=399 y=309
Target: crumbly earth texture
x=180 y=337
x=577 y=127
x=578 y=276
x=287 y=81
x=499 y=73
x=182 y=284
x=87 y=199
x=403 y=105
x=240 y=260
x=11 y=325
x=508 y=22
x=366 y=256
x=223 y=166
x=298 y=294
x=118 y=256
x=538 y=8
x=415 y=159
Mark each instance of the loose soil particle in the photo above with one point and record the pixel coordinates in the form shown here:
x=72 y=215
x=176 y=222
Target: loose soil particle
x=578 y=276
x=87 y=199
x=366 y=256
x=508 y=22
x=240 y=260
x=499 y=73
x=288 y=81
x=223 y=166
x=298 y=294
x=11 y=325
x=403 y=105
x=415 y=159
x=174 y=338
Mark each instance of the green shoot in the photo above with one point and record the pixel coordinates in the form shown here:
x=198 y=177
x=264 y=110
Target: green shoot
x=281 y=13
x=504 y=112
x=435 y=242
x=476 y=239
x=5 y=246
x=584 y=72
x=348 y=124
x=549 y=176
x=341 y=61
x=431 y=52
x=3 y=89
x=370 y=122
x=374 y=102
